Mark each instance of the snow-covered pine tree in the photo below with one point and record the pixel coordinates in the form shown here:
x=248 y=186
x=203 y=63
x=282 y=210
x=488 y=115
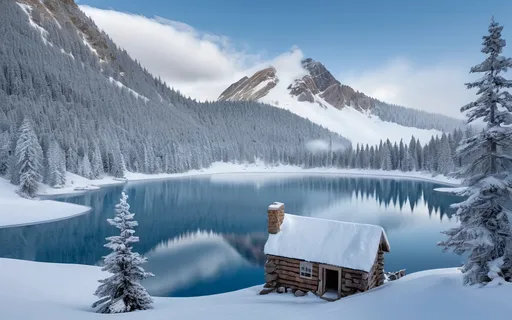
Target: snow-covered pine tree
x=444 y=157
x=122 y=292
x=97 y=162
x=29 y=156
x=86 y=167
x=484 y=230
x=4 y=152
x=410 y=162
x=56 y=165
x=386 y=162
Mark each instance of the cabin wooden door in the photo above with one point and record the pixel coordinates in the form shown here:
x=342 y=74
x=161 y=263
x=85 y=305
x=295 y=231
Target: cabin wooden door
x=330 y=280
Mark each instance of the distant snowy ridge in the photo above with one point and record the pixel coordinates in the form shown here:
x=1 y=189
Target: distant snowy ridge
x=314 y=93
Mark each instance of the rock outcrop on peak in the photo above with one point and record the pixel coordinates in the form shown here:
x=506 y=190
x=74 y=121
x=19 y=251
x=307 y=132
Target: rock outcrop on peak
x=253 y=88
x=317 y=86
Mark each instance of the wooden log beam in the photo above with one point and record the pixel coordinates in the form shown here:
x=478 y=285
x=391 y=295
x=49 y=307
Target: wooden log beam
x=293 y=277
x=350 y=284
x=356 y=273
x=294 y=270
x=373 y=283
x=293 y=265
x=350 y=275
x=293 y=285
x=277 y=259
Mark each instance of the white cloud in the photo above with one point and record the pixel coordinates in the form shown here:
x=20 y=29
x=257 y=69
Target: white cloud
x=199 y=64
x=435 y=88
x=184 y=57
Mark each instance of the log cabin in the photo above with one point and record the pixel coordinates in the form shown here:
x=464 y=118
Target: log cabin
x=331 y=259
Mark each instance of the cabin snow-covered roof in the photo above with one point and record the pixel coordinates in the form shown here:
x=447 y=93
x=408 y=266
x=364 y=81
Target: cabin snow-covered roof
x=343 y=244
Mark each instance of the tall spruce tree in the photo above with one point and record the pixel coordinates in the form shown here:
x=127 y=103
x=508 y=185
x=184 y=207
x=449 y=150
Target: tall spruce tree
x=4 y=152
x=97 y=162
x=484 y=230
x=444 y=157
x=56 y=165
x=29 y=156
x=122 y=292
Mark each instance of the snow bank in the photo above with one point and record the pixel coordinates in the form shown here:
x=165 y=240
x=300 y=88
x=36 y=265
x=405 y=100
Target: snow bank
x=78 y=184
x=18 y=211
x=59 y=291
x=451 y=190
x=350 y=245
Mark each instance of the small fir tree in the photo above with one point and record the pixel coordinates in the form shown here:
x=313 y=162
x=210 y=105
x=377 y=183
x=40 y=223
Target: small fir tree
x=122 y=292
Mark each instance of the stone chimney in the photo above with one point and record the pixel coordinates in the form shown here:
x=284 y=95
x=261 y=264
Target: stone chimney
x=275 y=217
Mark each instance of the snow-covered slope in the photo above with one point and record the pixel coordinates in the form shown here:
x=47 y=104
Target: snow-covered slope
x=18 y=211
x=312 y=92
x=34 y=290
x=357 y=126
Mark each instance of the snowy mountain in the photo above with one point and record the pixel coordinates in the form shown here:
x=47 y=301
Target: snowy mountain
x=317 y=95
x=101 y=111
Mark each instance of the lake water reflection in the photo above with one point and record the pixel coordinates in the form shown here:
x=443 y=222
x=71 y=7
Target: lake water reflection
x=205 y=235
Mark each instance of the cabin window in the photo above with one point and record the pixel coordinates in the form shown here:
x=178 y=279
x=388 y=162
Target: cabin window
x=306 y=269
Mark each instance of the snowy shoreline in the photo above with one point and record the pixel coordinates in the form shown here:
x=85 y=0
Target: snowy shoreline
x=65 y=291
x=44 y=211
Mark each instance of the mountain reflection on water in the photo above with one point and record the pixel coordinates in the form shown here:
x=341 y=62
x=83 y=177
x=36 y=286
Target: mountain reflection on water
x=205 y=235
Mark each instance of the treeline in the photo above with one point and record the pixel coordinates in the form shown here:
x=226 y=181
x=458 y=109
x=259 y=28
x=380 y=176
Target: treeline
x=415 y=118
x=437 y=156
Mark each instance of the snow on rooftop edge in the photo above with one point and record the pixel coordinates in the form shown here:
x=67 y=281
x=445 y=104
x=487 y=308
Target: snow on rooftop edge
x=275 y=205
x=345 y=244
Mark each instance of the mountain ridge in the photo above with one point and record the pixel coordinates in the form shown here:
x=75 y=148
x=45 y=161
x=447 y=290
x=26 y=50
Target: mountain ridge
x=321 y=88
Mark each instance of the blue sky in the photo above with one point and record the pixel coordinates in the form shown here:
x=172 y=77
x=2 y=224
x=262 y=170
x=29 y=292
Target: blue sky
x=411 y=53
x=338 y=33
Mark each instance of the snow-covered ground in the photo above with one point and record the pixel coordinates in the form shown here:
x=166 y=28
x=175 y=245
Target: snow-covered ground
x=19 y=211
x=35 y=290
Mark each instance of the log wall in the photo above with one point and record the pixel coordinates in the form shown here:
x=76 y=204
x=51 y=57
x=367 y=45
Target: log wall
x=377 y=271
x=285 y=272
x=353 y=281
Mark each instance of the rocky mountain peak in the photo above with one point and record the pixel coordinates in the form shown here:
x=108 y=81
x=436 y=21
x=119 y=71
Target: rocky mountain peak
x=253 y=88
x=67 y=14
x=320 y=83
x=317 y=86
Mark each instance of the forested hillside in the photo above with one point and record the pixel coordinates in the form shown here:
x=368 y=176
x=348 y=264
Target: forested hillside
x=102 y=112
x=415 y=118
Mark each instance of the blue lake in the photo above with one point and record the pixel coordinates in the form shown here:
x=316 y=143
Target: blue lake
x=205 y=235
